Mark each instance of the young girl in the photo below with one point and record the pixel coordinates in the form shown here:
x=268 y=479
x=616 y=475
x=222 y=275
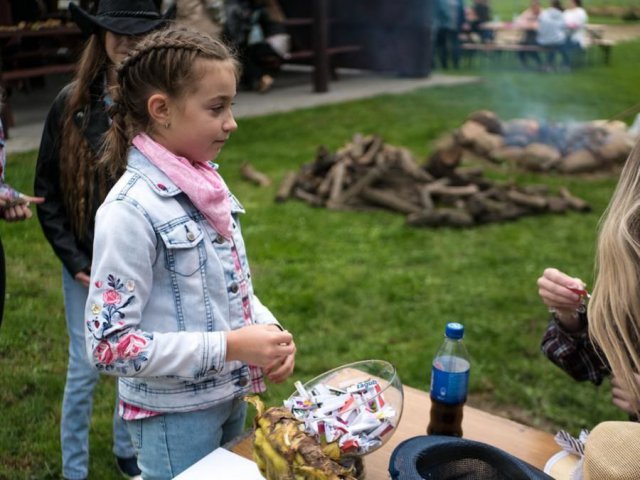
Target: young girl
x=171 y=309
x=66 y=176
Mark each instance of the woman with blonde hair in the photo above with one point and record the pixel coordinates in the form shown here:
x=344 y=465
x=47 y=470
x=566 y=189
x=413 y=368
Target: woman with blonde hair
x=614 y=311
x=602 y=339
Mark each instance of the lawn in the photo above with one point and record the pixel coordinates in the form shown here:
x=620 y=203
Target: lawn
x=349 y=285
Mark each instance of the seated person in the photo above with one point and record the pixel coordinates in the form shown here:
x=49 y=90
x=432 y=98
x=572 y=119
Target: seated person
x=477 y=14
x=575 y=19
x=256 y=28
x=528 y=22
x=552 y=34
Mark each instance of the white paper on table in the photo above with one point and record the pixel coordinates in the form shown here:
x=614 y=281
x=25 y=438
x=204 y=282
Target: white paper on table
x=222 y=463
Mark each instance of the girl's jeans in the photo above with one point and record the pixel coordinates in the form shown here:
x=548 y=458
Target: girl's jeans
x=170 y=443
x=78 y=391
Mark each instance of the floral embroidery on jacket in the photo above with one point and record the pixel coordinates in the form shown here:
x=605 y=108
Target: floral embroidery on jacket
x=115 y=345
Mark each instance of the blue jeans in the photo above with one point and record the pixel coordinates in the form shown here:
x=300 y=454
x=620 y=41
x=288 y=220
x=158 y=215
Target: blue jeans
x=170 y=443
x=81 y=381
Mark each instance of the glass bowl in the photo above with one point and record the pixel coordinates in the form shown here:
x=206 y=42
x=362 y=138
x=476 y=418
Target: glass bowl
x=383 y=398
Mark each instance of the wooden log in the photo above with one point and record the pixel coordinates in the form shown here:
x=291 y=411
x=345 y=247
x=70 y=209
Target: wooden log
x=436 y=184
x=440 y=217
x=408 y=164
x=363 y=182
x=310 y=198
x=250 y=173
x=286 y=187
x=574 y=202
x=371 y=152
x=557 y=204
x=536 y=202
x=324 y=160
x=426 y=200
x=357 y=146
x=337 y=181
x=444 y=161
x=388 y=199
x=445 y=190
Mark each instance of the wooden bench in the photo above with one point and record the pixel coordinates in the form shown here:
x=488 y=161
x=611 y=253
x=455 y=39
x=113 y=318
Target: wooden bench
x=497 y=49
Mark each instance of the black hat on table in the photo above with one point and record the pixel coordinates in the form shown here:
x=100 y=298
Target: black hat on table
x=122 y=17
x=448 y=458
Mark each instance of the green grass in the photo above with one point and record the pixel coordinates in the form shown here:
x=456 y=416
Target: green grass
x=352 y=286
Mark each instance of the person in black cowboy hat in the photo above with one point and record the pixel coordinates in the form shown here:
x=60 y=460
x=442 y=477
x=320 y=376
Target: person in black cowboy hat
x=65 y=175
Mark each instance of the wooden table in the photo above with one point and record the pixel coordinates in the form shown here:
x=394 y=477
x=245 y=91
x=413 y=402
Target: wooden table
x=526 y=443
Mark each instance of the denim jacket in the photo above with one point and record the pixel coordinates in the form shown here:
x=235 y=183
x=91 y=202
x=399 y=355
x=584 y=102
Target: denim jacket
x=163 y=294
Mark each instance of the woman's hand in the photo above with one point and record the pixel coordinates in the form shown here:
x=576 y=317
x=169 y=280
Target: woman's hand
x=555 y=289
x=623 y=399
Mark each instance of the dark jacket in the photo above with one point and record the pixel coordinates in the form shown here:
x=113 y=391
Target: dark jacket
x=75 y=253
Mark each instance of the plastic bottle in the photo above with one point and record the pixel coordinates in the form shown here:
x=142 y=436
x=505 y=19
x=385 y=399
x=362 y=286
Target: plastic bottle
x=449 y=384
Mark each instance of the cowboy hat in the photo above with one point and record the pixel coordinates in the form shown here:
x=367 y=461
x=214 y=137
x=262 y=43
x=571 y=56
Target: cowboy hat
x=123 y=17
x=611 y=451
x=444 y=458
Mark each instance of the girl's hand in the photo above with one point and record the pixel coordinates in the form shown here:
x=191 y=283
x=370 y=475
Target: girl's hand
x=555 y=289
x=259 y=345
x=623 y=399
x=281 y=369
x=82 y=278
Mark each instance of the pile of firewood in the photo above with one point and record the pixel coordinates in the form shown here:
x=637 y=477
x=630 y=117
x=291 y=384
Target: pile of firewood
x=368 y=174
x=535 y=145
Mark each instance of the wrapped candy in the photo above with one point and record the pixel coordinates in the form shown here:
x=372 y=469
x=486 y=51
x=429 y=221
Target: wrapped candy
x=357 y=416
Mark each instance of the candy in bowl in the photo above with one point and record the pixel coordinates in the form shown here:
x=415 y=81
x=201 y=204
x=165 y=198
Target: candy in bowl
x=357 y=405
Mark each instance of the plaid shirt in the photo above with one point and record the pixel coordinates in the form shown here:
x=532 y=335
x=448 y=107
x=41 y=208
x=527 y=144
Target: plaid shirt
x=574 y=353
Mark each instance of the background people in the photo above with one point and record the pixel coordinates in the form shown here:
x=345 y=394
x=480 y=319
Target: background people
x=256 y=29
x=449 y=19
x=66 y=177
x=528 y=21
x=604 y=339
x=576 y=19
x=552 y=34
x=171 y=309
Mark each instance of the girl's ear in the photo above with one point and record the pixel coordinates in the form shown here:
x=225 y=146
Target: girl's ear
x=159 y=111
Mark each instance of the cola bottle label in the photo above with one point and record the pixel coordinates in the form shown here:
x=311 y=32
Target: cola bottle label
x=450 y=387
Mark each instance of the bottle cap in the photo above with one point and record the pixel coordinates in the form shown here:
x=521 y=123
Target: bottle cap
x=454 y=330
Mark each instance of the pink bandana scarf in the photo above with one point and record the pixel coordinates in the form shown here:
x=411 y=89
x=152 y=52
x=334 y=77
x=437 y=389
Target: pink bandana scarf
x=200 y=182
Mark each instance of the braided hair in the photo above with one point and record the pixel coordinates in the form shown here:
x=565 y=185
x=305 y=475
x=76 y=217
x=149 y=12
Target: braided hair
x=163 y=61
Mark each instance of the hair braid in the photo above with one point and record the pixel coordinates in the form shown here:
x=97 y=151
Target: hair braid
x=162 y=61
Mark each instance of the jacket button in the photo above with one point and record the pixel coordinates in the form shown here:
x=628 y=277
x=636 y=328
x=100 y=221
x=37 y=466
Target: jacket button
x=234 y=287
x=243 y=382
x=219 y=239
x=191 y=236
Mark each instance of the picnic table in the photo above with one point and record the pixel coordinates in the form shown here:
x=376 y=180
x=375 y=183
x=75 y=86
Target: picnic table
x=527 y=443
x=507 y=37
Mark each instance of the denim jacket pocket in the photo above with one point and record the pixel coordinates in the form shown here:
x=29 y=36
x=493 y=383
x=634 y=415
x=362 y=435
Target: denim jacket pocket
x=185 y=251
